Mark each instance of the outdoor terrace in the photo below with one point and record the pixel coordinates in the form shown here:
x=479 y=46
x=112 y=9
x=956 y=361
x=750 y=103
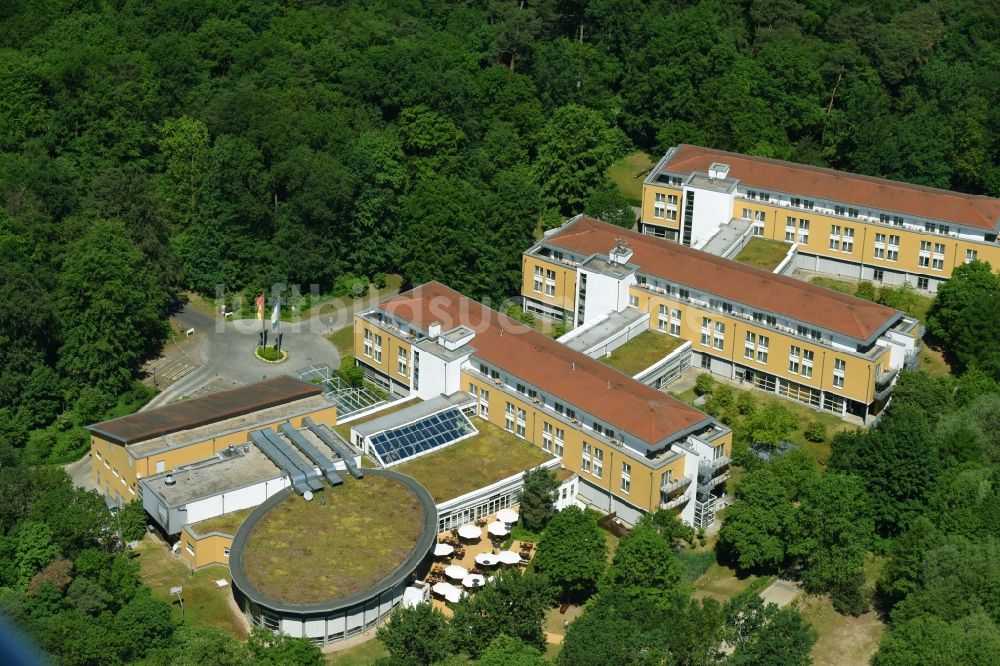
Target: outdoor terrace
x=491 y=456
x=641 y=352
x=343 y=541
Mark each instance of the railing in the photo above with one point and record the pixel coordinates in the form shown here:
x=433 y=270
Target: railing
x=740 y=242
x=883 y=379
x=671 y=486
x=715 y=481
x=677 y=501
x=712 y=465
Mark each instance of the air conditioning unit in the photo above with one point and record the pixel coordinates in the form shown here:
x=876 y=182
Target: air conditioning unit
x=498 y=382
x=576 y=421
x=537 y=401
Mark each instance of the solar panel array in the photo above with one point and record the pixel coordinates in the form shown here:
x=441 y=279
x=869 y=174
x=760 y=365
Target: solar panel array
x=397 y=444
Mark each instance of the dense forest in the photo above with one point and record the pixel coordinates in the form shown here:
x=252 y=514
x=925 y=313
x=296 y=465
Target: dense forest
x=153 y=147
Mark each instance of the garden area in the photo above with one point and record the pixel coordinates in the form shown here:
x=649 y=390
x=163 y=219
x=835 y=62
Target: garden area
x=763 y=253
x=641 y=352
x=628 y=173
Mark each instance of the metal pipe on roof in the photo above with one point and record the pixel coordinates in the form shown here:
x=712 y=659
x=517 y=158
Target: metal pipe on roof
x=312 y=476
x=314 y=454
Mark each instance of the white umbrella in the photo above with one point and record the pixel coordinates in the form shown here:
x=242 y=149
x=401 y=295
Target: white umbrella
x=456 y=572
x=454 y=596
x=507 y=516
x=508 y=557
x=470 y=531
x=443 y=549
x=486 y=559
x=497 y=529
x=473 y=580
x=443 y=588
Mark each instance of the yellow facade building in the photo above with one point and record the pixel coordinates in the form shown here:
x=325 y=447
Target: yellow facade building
x=841 y=223
x=820 y=347
x=635 y=449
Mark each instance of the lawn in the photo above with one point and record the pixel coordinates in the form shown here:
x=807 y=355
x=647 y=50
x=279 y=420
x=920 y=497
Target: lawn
x=348 y=537
x=344 y=429
x=916 y=305
x=343 y=340
x=478 y=461
x=363 y=654
x=805 y=415
x=763 y=253
x=204 y=603
x=227 y=523
x=722 y=584
x=628 y=174
x=641 y=352
x=843 y=640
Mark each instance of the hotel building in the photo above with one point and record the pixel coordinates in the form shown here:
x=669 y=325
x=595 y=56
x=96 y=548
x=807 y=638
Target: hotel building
x=814 y=345
x=841 y=223
x=633 y=448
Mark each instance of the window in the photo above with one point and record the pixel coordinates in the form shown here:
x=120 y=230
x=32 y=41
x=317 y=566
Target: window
x=852 y=212
x=839 y=210
x=684 y=294
x=793 y=360
x=706 y=331
x=633 y=301
x=585 y=464
x=971 y=255
x=762 y=344
x=598 y=462
x=662 y=320
x=937 y=262
x=672 y=200
x=796 y=201
x=378 y=348
x=835 y=237
x=675 y=322
x=847 y=241
x=508 y=421
x=807 y=204
x=790 y=229
x=878 y=275
x=807 y=363
x=160 y=466
x=897 y=220
x=484 y=404
x=521 y=420
x=225 y=552
x=368 y=343
x=560 y=439
x=839 y=370
x=930 y=227
x=401 y=362
x=626 y=485
x=661 y=197
x=746 y=214
x=546 y=436
x=550 y=283
x=189 y=549
x=537 y=286
x=883 y=218
x=659 y=211
x=521 y=389
x=923 y=283
x=924 y=258
x=880 y=246
x=892 y=252
x=749 y=345
x=803 y=231
x=719 y=338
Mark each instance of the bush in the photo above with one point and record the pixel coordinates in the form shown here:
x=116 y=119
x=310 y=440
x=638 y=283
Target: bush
x=350 y=285
x=866 y=290
x=704 y=384
x=92 y=404
x=269 y=353
x=379 y=280
x=352 y=373
x=746 y=403
x=816 y=432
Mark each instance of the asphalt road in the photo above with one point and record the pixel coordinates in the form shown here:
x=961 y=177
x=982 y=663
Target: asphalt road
x=227 y=346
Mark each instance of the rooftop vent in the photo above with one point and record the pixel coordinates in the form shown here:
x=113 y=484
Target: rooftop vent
x=621 y=253
x=718 y=170
x=170 y=480
x=434 y=330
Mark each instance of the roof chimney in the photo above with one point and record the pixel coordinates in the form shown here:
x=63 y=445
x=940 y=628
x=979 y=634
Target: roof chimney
x=169 y=480
x=434 y=330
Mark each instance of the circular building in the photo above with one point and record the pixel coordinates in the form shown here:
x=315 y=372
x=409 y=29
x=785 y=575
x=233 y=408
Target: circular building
x=336 y=565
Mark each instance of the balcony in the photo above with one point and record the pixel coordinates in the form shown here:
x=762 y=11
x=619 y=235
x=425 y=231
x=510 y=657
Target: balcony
x=884 y=379
x=705 y=487
x=675 y=502
x=676 y=484
x=709 y=467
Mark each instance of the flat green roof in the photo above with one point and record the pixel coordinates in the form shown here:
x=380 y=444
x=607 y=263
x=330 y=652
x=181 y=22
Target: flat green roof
x=344 y=540
x=641 y=352
x=227 y=523
x=492 y=455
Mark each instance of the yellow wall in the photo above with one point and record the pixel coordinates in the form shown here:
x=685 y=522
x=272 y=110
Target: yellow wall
x=108 y=458
x=775 y=218
x=210 y=549
x=565 y=282
x=859 y=376
x=649 y=192
x=391 y=344
x=645 y=481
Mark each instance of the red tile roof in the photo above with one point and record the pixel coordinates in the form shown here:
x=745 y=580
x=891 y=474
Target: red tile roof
x=865 y=191
x=195 y=412
x=557 y=370
x=731 y=280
